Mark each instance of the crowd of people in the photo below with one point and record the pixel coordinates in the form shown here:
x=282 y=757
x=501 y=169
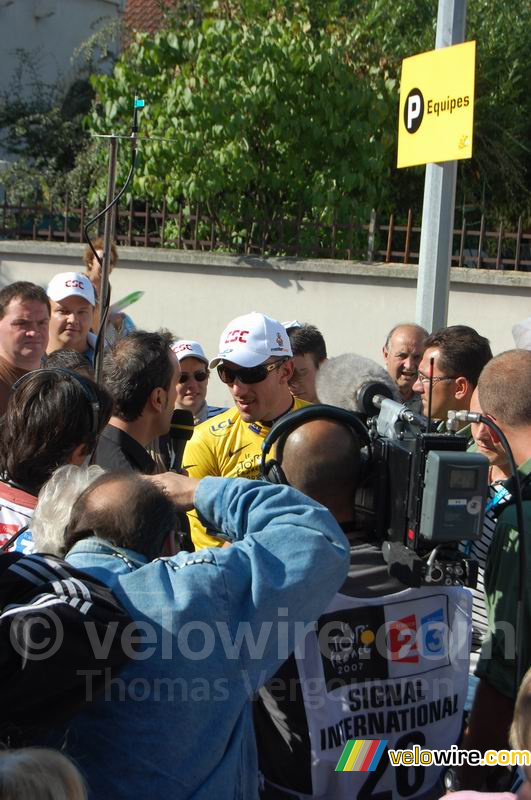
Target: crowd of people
x=260 y=627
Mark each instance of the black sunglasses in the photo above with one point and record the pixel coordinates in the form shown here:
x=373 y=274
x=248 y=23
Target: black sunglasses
x=247 y=374
x=199 y=376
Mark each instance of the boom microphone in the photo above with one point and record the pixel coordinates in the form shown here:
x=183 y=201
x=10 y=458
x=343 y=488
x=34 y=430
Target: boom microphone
x=352 y=382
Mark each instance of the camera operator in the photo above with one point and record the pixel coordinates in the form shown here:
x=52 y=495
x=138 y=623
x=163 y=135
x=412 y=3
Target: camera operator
x=378 y=662
x=215 y=626
x=504 y=390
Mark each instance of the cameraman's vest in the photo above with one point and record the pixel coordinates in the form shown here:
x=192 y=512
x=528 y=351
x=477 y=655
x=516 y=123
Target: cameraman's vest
x=389 y=669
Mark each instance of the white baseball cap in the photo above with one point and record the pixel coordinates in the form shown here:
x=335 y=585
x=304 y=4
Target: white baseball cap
x=251 y=339
x=68 y=284
x=522 y=334
x=187 y=348
x=292 y=323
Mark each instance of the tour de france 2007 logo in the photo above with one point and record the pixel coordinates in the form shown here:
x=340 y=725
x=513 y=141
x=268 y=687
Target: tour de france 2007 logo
x=374 y=643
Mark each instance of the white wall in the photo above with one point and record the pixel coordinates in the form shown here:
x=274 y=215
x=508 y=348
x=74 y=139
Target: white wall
x=353 y=304
x=51 y=30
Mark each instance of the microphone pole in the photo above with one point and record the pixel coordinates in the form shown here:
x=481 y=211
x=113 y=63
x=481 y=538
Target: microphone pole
x=107 y=212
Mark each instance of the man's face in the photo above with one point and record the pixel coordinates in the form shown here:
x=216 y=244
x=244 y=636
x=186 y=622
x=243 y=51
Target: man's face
x=483 y=437
x=403 y=358
x=444 y=386
x=266 y=400
x=302 y=384
x=191 y=393
x=94 y=268
x=24 y=333
x=70 y=323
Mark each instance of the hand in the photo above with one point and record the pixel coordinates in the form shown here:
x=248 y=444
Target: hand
x=179 y=488
x=117 y=321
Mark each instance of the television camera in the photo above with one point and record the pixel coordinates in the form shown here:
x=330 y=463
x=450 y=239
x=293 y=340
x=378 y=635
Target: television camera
x=426 y=495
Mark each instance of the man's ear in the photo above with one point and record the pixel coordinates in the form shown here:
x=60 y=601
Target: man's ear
x=157 y=399
x=78 y=455
x=286 y=371
x=385 y=352
x=463 y=387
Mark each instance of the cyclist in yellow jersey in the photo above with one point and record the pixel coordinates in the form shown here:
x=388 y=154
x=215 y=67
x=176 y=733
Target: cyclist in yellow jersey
x=255 y=361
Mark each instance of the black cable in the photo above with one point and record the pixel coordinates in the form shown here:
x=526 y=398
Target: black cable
x=114 y=201
x=12 y=539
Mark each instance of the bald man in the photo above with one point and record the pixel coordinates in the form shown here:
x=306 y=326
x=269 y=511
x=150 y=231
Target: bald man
x=354 y=668
x=402 y=353
x=322 y=459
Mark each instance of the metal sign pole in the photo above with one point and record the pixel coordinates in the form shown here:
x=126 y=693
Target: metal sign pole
x=436 y=236
x=107 y=240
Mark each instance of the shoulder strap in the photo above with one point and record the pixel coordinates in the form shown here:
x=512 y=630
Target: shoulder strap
x=525 y=486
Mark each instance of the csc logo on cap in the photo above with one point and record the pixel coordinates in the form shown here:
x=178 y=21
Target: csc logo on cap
x=236 y=336
x=74 y=284
x=413 y=110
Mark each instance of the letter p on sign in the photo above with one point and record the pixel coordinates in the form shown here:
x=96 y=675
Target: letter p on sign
x=413 y=110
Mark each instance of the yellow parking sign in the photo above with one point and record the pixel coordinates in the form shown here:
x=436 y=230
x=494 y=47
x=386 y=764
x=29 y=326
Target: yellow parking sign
x=436 y=118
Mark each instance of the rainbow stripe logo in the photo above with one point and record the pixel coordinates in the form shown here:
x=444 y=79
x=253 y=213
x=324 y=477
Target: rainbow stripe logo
x=361 y=755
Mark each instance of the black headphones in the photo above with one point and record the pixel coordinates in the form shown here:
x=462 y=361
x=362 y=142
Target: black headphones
x=272 y=471
x=82 y=382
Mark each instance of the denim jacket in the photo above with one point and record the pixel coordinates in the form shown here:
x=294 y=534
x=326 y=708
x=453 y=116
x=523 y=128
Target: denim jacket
x=212 y=628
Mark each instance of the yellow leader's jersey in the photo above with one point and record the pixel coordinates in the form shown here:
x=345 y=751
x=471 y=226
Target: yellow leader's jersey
x=225 y=446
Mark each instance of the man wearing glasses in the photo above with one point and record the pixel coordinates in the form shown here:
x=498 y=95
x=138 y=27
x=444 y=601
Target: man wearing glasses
x=459 y=354
x=192 y=383
x=255 y=362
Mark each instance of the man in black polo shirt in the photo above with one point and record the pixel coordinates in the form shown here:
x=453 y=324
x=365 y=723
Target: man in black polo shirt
x=141 y=373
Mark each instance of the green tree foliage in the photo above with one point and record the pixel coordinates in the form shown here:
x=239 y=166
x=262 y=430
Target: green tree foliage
x=268 y=109
x=290 y=108
x=497 y=178
x=256 y=117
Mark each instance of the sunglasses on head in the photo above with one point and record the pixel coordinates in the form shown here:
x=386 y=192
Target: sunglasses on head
x=199 y=376
x=247 y=374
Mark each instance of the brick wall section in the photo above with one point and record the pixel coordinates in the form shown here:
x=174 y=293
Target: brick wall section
x=143 y=15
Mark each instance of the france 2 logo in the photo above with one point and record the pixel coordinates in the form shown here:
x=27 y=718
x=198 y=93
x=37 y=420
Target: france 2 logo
x=407 y=638
x=402 y=640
